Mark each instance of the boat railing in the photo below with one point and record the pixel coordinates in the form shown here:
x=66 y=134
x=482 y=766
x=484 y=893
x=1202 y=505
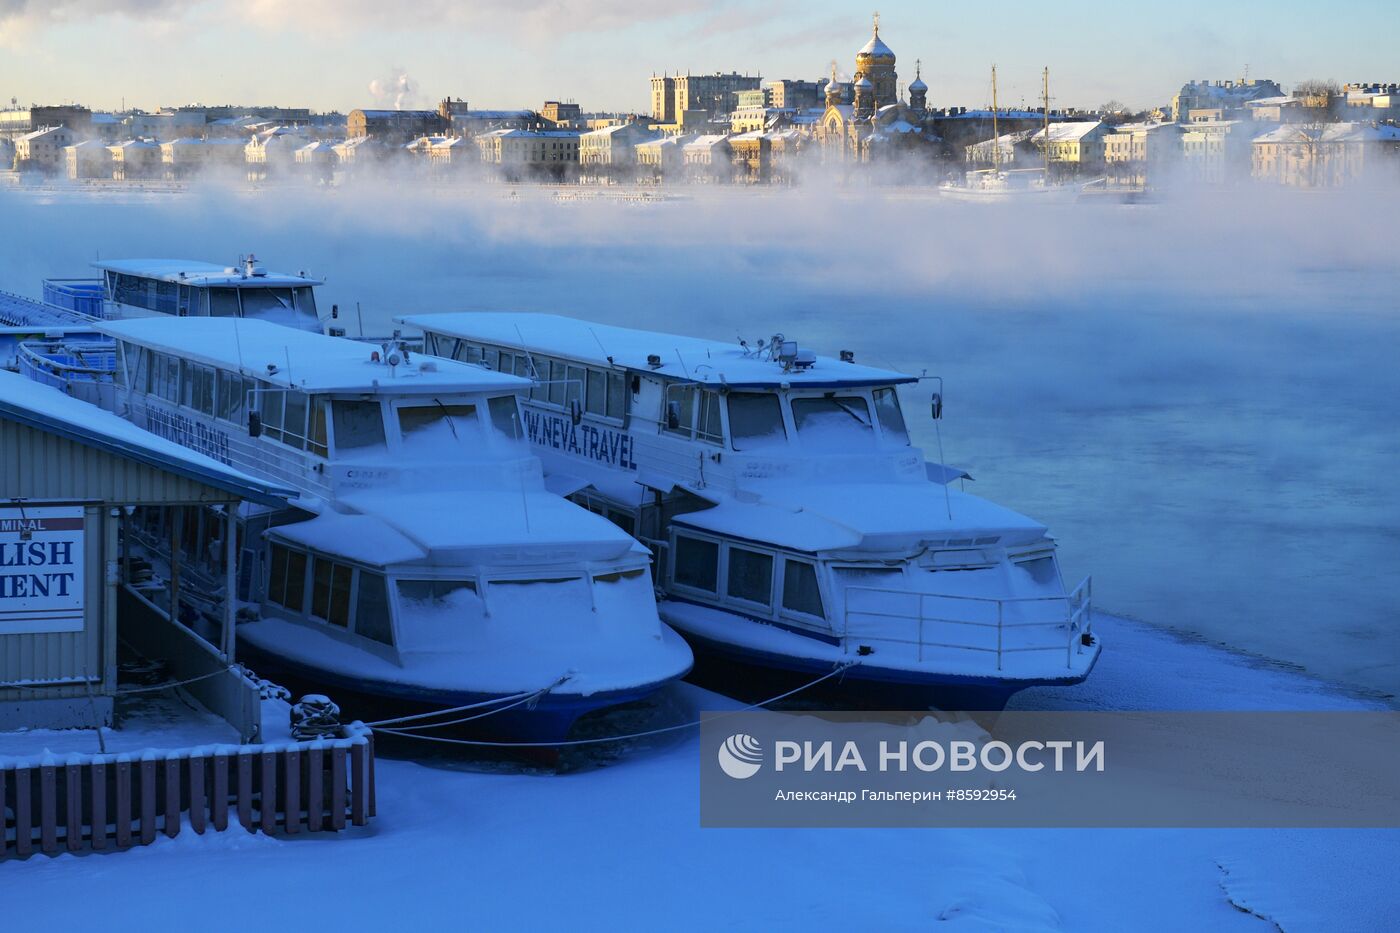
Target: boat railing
x=940 y=622
x=226 y=442
x=56 y=363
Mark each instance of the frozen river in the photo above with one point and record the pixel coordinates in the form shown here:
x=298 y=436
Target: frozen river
x=1198 y=398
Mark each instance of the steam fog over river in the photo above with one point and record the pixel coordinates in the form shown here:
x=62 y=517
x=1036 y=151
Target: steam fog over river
x=1198 y=397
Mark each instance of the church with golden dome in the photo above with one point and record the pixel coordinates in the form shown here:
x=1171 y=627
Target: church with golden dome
x=866 y=115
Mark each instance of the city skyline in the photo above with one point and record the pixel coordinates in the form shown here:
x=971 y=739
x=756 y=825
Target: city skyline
x=497 y=54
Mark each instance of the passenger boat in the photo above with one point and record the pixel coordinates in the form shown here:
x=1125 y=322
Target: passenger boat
x=424 y=564
x=190 y=288
x=1012 y=185
x=795 y=525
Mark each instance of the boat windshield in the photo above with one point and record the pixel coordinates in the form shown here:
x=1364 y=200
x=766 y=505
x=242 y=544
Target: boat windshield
x=756 y=420
x=440 y=425
x=834 y=422
x=272 y=304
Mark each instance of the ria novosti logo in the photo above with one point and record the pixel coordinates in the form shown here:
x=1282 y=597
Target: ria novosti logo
x=740 y=756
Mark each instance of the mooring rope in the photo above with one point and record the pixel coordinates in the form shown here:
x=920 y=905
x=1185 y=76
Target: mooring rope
x=840 y=668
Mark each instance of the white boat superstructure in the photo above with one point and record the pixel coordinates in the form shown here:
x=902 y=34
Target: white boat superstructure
x=191 y=288
x=794 y=522
x=424 y=560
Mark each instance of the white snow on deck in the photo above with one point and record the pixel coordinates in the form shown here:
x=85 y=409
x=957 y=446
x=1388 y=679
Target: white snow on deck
x=312 y=362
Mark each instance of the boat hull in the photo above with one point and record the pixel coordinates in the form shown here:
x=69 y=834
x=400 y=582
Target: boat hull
x=548 y=719
x=752 y=674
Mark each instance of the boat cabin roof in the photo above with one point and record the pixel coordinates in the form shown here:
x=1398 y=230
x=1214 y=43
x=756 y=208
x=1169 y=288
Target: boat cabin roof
x=202 y=274
x=690 y=359
x=306 y=361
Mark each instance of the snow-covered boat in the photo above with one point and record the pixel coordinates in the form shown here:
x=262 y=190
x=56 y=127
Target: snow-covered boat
x=424 y=565
x=795 y=525
x=190 y=288
x=1013 y=185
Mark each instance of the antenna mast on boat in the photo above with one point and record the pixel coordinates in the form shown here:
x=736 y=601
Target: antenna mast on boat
x=996 y=135
x=1045 y=78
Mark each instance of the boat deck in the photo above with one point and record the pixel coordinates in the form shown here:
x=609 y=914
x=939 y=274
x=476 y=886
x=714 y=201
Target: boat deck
x=18 y=311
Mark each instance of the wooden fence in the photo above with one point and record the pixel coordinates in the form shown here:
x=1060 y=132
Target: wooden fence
x=112 y=802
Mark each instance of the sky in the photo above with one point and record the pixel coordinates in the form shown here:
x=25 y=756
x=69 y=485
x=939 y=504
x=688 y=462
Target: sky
x=342 y=54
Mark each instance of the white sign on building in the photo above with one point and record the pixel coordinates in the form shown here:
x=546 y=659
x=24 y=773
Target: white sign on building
x=41 y=570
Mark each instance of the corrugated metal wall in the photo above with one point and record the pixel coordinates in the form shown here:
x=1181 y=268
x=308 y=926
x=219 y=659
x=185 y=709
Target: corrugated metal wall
x=36 y=465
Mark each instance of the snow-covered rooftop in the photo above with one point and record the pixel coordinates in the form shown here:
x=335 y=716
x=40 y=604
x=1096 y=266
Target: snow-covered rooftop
x=47 y=409
x=299 y=359
x=706 y=142
x=689 y=358
x=1068 y=132
x=1330 y=132
x=194 y=272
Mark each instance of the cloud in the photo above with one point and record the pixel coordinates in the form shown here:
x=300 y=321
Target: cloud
x=532 y=18
x=21 y=20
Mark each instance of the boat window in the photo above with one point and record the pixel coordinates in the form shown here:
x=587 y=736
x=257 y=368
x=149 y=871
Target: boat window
x=357 y=424
x=573 y=387
x=306 y=300
x=316 y=433
x=467 y=352
x=231 y=400
x=619 y=575
x=223 y=302
x=506 y=363
x=492 y=358
x=185 y=305
x=1041 y=569
x=330 y=591
x=696 y=564
x=166 y=375
x=455 y=422
x=558 y=377
x=891 y=418
x=756 y=420
x=505 y=416
x=617 y=396
x=286 y=584
x=680 y=410
x=270 y=405
x=597 y=392
x=294 y=419
x=130 y=290
x=166 y=293
x=436 y=594
x=204 y=389
x=522 y=367
x=273 y=304
x=372 y=609
x=800 y=590
x=693 y=412
x=709 y=428
x=833 y=421
x=750 y=576
x=187 y=384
